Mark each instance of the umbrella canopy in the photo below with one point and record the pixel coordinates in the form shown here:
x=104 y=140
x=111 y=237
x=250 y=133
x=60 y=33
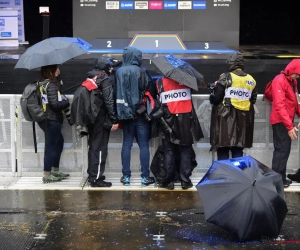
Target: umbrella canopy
x=244 y=197
x=54 y=50
x=180 y=71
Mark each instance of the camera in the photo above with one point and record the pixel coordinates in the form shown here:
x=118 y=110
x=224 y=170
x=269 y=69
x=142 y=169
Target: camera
x=211 y=86
x=67 y=112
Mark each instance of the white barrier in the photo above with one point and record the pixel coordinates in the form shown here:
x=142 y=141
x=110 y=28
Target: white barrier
x=19 y=159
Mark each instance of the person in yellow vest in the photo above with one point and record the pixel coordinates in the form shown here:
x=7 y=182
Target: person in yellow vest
x=232 y=119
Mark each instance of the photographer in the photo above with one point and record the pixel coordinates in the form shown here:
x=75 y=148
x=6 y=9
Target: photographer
x=93 y=107
x=232 y=119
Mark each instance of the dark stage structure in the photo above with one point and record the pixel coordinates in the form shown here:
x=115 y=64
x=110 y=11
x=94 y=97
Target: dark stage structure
x=261 y=62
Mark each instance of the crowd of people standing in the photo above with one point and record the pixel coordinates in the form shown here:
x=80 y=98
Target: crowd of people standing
x=104 y=105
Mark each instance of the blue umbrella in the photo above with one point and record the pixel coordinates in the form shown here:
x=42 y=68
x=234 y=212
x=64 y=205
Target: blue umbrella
x=244 y=197
x=54 y=50
x=80 y=42
x=180 y=71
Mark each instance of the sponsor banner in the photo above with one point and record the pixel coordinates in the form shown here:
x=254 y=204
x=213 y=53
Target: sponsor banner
x=9 y=27
x=16 y=4
x=126 y=5
x=141 y=5
x=199 y=5
x=155 y=5
x=184 y=5
x=112 y=5
x=170 y=5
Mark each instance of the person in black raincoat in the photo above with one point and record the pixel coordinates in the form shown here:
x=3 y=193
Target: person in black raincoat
x=179 y=129
x=232 y=119
x=93 y=106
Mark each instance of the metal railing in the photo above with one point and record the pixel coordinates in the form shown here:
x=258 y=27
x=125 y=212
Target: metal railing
x=19 y=159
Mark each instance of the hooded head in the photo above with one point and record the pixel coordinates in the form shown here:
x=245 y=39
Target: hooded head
x=132 y=56
x=293 y=67
x=235 y=61
x=103 y=63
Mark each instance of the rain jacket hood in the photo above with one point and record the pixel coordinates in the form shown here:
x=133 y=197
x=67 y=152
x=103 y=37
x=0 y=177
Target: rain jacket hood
x=132 y=56
x=235 y=61
x=292 y=68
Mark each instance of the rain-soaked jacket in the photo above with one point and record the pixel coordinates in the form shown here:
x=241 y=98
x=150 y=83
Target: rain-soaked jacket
x=129 y=84
x=181 y=128
x=285 y=92
x=87 y=105
x=231 y=127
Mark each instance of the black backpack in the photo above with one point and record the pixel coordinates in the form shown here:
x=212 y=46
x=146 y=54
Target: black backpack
x=31 y=102
x=32 y=106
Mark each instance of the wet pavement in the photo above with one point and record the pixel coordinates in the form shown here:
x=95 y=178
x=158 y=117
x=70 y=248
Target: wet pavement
x=100 y=219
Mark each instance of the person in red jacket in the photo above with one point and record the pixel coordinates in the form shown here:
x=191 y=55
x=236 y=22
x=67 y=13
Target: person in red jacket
x=285 y=105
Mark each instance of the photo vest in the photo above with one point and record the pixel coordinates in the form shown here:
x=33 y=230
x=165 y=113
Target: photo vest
x=238 y=91
x=175 y=96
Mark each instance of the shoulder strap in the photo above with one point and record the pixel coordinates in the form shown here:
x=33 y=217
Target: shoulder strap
x=228 y=85
x=143 y=73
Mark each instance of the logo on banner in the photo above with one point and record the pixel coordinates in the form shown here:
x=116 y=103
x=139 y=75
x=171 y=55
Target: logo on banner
x=5 y=34
x=141 y=5
x=17 y=2
x=2 y=22
x=155 y=5
x=126 y=6
x=201 y=5
x=112 y=5
x=170 y=5
x=184 y=5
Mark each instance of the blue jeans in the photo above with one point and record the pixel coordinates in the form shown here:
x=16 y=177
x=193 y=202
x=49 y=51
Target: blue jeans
x=54 y=143
x=138 y=128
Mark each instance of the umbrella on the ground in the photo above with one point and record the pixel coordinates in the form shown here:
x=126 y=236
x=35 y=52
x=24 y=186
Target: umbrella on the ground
x=180 y=71
x=54 y=50
x=244 y=197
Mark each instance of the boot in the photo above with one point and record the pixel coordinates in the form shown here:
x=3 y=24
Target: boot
x=295 y=177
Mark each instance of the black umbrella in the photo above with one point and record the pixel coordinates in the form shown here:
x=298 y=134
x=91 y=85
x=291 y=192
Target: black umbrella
x=180 y=71
x=54 y=50
x=244 y=197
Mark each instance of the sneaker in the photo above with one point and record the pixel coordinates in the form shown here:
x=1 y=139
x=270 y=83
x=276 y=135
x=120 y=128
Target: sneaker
x=99 y=183
x=125 y=180
x=146 y=181
x=60 y=174
x=51 y=178
x=169 y=186
x=186 y=185
x=101 y=178
x=295 y=177
x=286 y=183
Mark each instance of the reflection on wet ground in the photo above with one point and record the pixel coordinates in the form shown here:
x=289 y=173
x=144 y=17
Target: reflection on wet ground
x=64 y=219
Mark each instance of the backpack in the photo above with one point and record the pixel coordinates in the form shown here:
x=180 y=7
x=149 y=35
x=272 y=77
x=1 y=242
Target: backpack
x=268 y=92
x=31 y=102
x=149 y=104
x=32 y=106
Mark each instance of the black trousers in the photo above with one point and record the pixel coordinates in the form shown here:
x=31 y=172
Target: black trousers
x=223 y=152
x=186 y=154
x=97 y=154
x=282 y=148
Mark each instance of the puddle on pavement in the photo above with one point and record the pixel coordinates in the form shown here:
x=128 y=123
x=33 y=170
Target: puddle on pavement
x=61 y=219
